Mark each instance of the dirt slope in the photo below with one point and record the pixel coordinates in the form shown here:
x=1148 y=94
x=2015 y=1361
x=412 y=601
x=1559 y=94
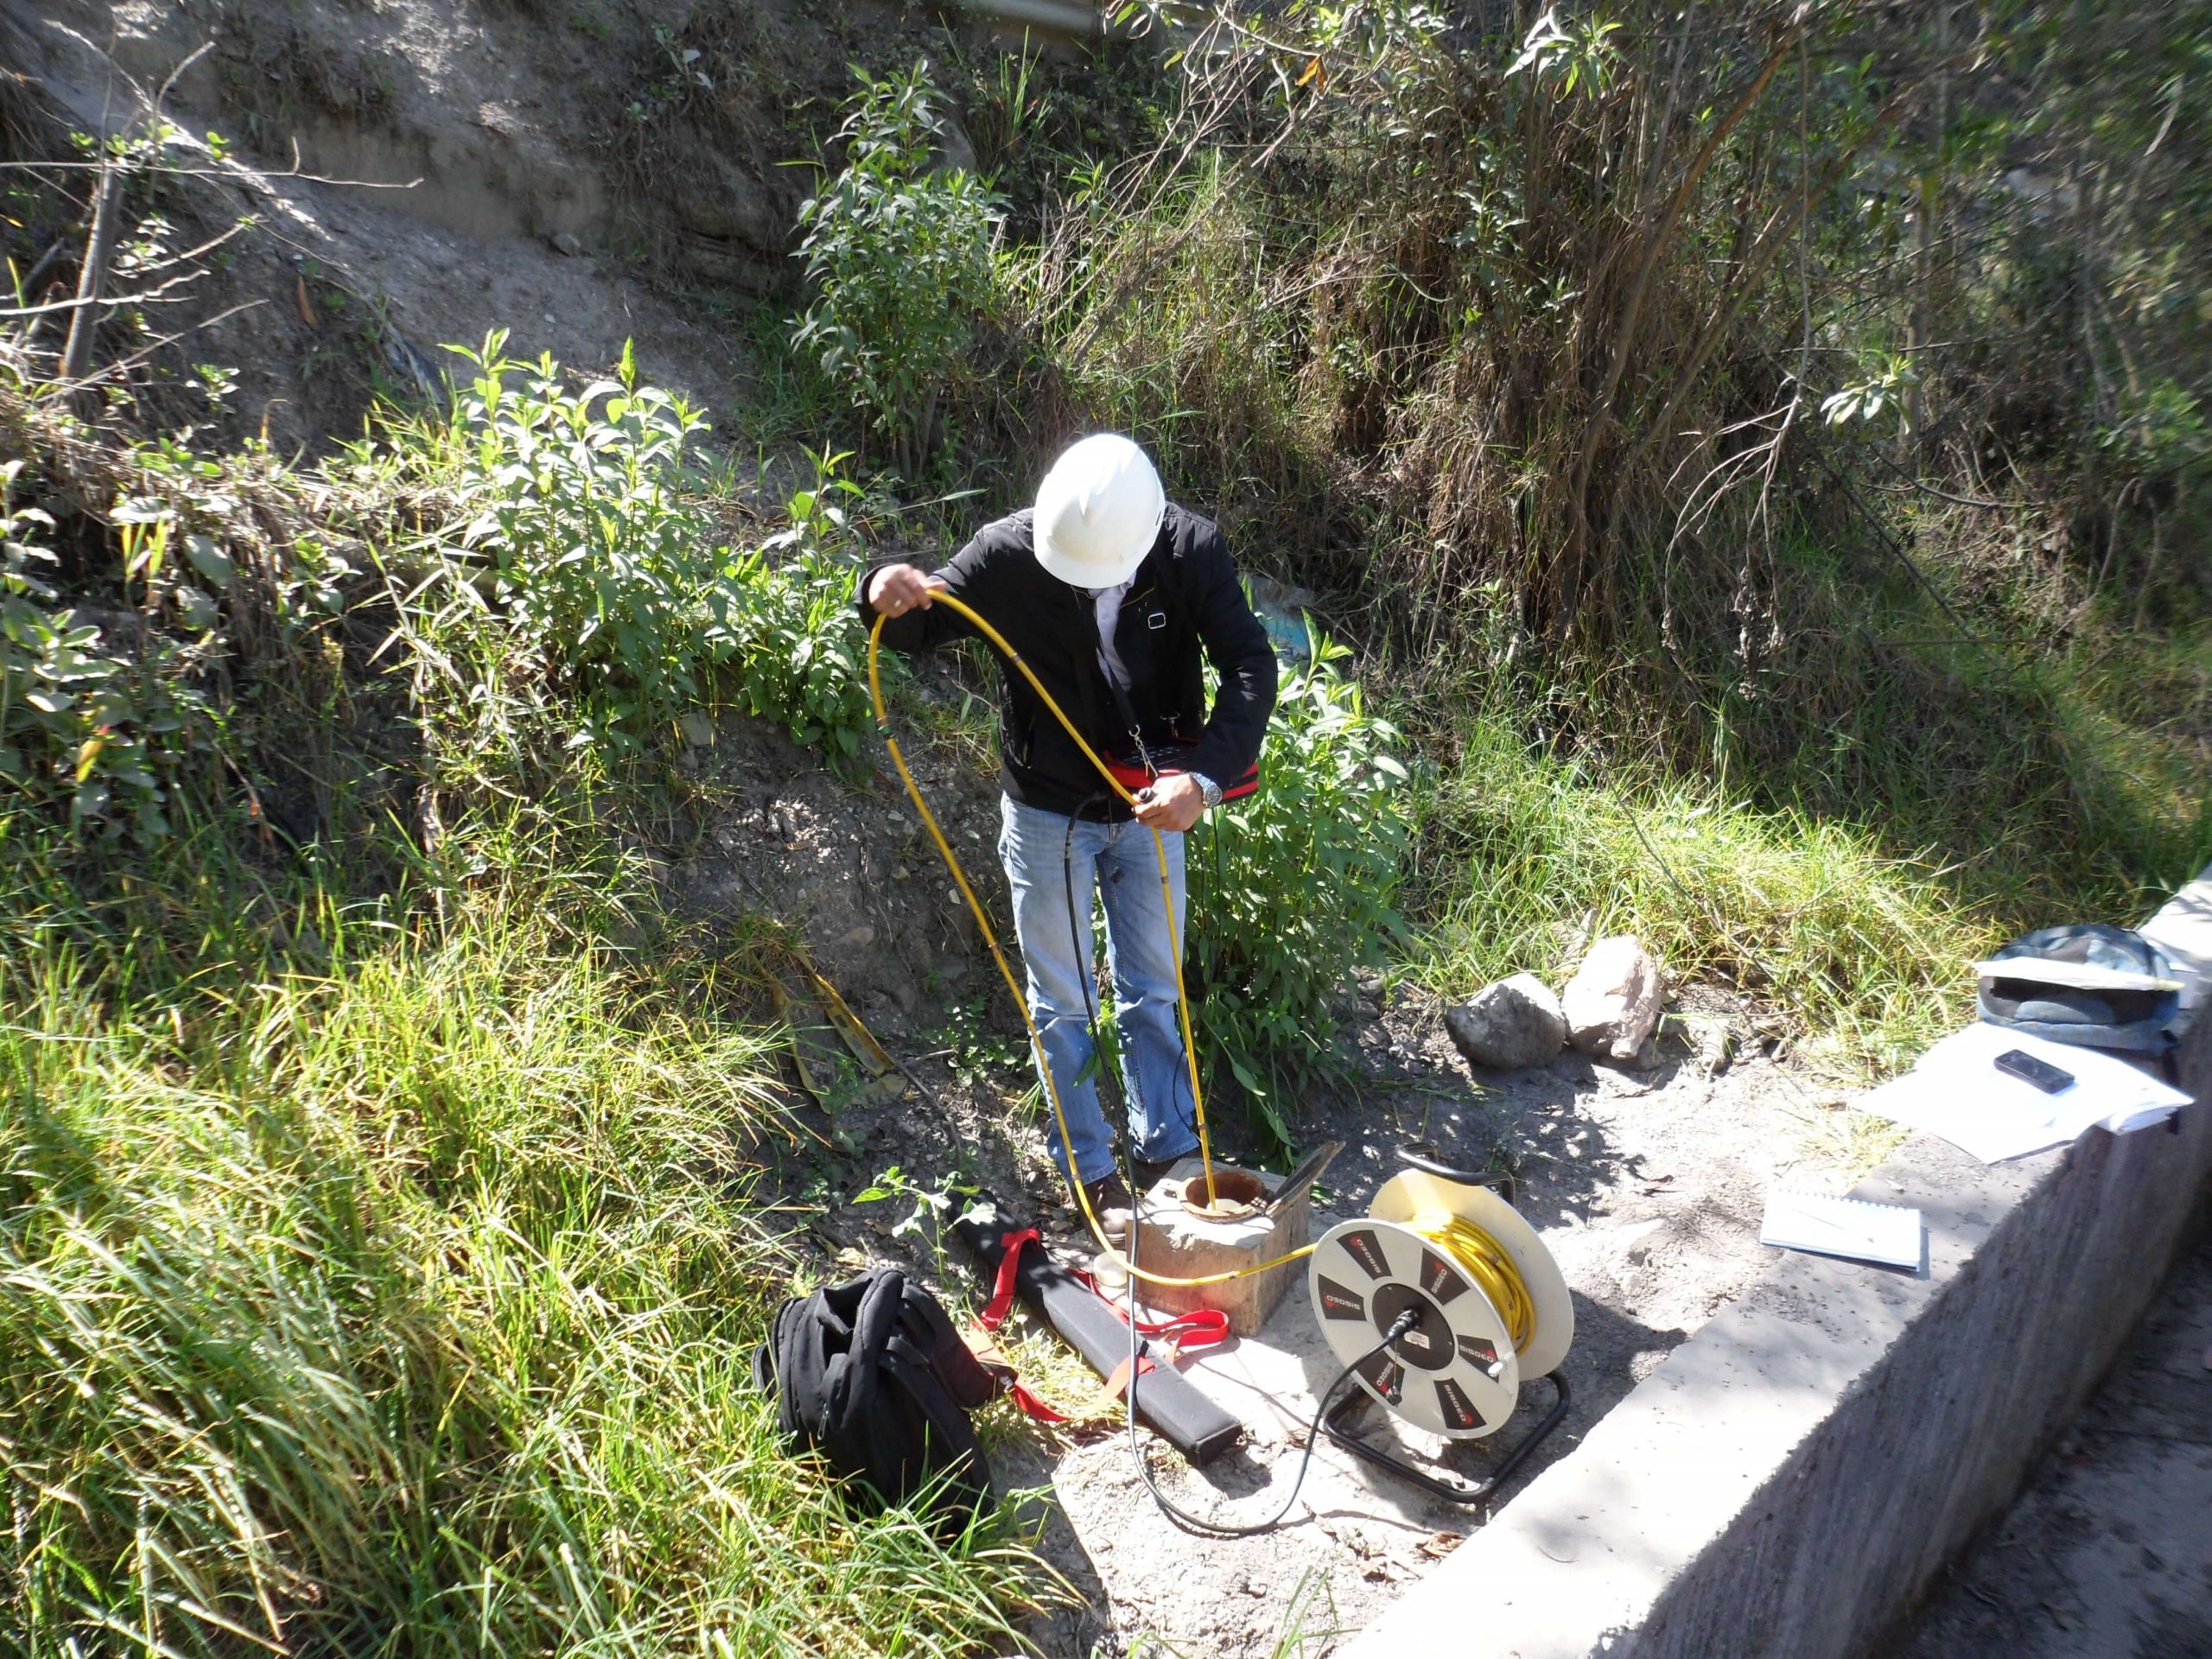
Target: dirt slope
x=426 y=170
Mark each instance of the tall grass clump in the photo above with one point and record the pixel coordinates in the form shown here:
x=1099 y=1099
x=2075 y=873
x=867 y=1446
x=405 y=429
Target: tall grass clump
x=407 y=1307
x=1517 y=850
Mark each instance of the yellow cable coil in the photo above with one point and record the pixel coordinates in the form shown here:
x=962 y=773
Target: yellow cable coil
x=1484 y=1260
x=991 y=939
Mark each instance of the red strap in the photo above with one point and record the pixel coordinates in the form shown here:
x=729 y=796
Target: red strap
x=1002 y=1302
x=1032 y=1406
x=1202 y=1327
x=994 y=1316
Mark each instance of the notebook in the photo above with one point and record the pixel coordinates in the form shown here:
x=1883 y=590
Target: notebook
x=1887 y=1233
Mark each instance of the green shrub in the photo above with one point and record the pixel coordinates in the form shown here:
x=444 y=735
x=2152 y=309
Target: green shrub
x=802 y=657
x=80 y=722
x=604 y=571
x=1294 y=888
x=585 y=587
x=899 y=255
x=801 y=654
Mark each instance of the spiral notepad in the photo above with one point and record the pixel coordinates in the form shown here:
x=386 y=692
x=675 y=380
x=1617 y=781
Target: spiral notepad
x=1852 y=1228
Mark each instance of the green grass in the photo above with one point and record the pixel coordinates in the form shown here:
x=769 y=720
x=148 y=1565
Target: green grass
x=1871 y=951
x=406 y=1307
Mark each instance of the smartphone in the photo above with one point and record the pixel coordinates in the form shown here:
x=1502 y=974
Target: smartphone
x=2016 y=1063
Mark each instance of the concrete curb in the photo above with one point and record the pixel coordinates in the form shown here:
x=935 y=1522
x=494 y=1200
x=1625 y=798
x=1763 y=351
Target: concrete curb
x=1790 y=1481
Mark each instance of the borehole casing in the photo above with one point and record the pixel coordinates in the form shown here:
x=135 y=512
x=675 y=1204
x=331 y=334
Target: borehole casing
x=1176 y=1243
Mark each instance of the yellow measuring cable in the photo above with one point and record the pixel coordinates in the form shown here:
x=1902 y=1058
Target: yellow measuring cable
x=1484 y=1260
x=1006 y=971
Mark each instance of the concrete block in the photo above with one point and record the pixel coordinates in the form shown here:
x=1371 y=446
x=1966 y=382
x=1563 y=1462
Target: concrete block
x=1790 y=1482
x=1174 y=1241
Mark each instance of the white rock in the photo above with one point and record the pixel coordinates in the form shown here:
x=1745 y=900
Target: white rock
x=1513 y=1023
x=1613 y=1002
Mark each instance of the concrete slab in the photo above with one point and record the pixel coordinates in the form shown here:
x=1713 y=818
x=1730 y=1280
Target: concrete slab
x=1795 y=1475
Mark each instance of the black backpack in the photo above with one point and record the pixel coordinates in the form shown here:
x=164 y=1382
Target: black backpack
x=871 y=1374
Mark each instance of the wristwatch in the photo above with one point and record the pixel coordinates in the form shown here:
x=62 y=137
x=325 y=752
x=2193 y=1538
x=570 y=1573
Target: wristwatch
x=1208 y=788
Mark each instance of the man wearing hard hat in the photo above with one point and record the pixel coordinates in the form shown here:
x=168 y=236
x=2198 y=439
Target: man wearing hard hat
x=1117 y=598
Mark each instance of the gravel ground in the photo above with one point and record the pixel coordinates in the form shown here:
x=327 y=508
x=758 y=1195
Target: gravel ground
x=1647 y=1187
x=2108 y=1552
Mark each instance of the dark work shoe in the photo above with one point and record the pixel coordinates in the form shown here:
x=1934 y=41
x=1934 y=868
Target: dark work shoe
x=1112 y=1203
x=1152 y=1171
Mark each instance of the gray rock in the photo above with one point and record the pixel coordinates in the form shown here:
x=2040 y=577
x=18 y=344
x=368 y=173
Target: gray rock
x=566 y=242
x=1613 y=1002
x=1518 y=1022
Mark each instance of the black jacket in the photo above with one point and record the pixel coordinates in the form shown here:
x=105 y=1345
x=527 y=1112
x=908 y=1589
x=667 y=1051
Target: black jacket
x=1183 y=597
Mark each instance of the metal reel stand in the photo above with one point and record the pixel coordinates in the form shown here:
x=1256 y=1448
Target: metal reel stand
x=1454 y=1372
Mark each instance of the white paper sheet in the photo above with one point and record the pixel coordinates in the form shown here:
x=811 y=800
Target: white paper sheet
x=1957 y=1092
x=1852 y=1228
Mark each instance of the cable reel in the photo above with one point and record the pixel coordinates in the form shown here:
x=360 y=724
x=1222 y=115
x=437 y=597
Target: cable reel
x=1488 y=1308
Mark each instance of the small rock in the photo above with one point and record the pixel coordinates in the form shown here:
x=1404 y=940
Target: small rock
x=566 y=242
x=1371 y=986
x=1613 y=1002
x=1716 y=1048
x=1514 y=1023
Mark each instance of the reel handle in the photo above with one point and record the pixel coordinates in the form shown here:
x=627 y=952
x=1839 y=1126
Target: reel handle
x=1501 y=1182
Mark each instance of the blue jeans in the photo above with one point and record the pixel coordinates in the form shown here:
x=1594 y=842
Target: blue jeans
x=1118 y=862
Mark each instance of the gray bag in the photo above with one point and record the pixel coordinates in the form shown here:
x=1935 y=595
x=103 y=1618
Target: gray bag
x=2134 y=1021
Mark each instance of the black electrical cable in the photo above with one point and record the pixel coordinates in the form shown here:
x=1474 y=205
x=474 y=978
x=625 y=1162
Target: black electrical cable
x=1200 y=1524
x=1405 y=1321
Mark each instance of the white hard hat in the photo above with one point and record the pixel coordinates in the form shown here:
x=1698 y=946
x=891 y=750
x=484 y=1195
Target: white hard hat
x=1097 y=511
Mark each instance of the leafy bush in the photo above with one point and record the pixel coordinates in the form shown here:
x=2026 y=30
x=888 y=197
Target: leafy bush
x=801 y=655
x=80 y=722
x=898 y=254
x=607 y=578
x=1296 y=886
x=604 y=571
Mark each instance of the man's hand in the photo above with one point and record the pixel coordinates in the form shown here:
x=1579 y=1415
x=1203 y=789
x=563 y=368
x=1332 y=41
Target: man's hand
x=897 y=589
x=1174 y=802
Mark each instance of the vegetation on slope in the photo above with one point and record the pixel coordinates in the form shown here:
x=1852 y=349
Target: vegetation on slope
x=1747 y=451
x=408 y=1306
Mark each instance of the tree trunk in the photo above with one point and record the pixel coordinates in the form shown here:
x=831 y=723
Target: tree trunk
x=91 y=281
